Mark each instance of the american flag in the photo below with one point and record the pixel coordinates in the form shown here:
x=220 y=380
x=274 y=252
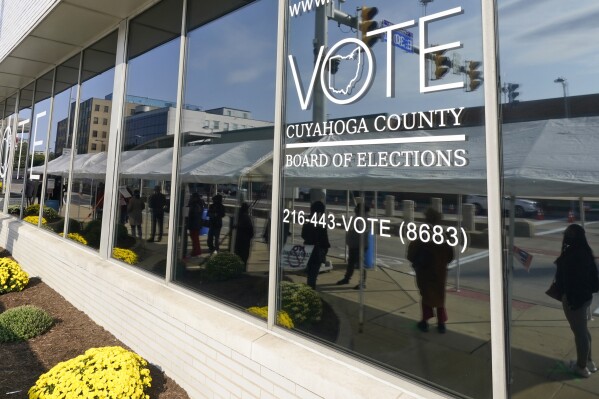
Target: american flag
x=523 y=257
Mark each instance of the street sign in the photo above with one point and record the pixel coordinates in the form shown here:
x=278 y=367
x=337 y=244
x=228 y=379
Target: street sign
x=401 y=38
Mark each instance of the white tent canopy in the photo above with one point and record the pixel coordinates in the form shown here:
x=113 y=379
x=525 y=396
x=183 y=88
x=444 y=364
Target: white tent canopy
x=541 y=158
x=215 y=163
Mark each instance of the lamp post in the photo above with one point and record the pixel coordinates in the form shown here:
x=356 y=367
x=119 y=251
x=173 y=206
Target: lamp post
x=564 y=83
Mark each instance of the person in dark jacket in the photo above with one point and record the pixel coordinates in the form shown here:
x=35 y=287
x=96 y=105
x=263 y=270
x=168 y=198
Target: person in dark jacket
x=352 y=240
x=430 y=261
x=194 y=222
x=156 y=203
x=216 y=213
x=244 y=234
x=576 y=278
x=317 y=235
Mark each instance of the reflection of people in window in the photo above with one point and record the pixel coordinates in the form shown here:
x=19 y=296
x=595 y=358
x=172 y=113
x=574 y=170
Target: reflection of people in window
x=194 y=222
x=317 y=235
x=157 y=202
x=216 y=213
x=430 y=262
x=352 y=240
x=576 y=277
x=244 y=234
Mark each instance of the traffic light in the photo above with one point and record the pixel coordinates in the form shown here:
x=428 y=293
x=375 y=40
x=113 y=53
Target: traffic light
x=474 y=75
x=512 y=93
x=442 y=64
x=334 y=65
x=366 y=24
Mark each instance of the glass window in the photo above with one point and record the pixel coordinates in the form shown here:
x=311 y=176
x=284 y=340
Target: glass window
x=224 y=213
x=378 y=156
x=103 y=135
x=106 y=108
x=9 y=124
x=146 y=156
x=61 y=141
x=104 y=121
x=550 y=116
x=95 y=120
x=87 y=188
x=36 y=146
x=21 y=189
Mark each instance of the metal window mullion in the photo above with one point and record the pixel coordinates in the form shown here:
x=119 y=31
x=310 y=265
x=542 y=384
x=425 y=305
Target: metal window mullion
x=73 y=148
x=273 y=276
x=42 y=199
x=4 y=126
x=493 y=156
x=11 y=154
x=174 y=210
x=25 y=177
x=117 y=123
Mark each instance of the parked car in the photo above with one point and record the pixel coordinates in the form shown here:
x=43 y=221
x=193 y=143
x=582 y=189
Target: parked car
x=522 y=207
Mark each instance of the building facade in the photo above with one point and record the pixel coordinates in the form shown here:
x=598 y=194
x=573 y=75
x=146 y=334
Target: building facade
x=469 y=128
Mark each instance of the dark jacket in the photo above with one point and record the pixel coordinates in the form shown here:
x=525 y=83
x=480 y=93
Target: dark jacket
x=216 y=213
x=194 y=218
x=430 y=262
x=576 y=276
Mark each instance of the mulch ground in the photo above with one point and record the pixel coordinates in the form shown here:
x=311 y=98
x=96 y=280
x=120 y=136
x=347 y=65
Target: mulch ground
x=21 y=363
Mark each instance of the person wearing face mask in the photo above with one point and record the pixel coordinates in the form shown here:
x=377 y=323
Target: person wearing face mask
x=576 y=278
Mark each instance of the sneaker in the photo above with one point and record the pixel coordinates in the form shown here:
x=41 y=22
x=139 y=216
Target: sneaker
x=441 y=328
x=422 y=326
x=591 y=366
x=578 y=371
x=343 y=281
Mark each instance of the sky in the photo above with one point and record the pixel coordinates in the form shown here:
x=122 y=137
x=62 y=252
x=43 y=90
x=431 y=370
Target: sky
x=232 y=61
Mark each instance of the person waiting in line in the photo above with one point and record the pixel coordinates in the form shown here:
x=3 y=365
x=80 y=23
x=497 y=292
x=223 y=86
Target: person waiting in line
x=352 y=240
x=134 y=210
x=216 y=213
x=576 y=278
x=157 y=202
x=194 y=222
x=430 y=261
x=29 y=191
x=317 y=235
x=244 y=233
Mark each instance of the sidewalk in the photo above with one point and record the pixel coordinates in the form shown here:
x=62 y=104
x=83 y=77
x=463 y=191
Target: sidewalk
x=460 y=360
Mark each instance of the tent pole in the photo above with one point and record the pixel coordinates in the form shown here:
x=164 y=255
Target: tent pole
x=512 y=230
x=361 y=270
x=582 y=214
x=459 y=226
x=347 y=216
x=376 y=213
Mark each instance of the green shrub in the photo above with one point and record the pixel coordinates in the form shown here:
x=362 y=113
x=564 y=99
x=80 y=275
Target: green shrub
x=109 y=372
x=14 y=209
x=23 y=322
x=49 y=213
x=93 y=230
x=301 y=302
x=57 y=226
x=12 y=277
x=224 y=266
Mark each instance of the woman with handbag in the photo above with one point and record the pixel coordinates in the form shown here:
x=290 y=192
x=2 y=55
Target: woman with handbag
x=576 y=278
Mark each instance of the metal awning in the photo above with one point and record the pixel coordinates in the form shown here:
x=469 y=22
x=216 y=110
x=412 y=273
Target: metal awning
x=67 y=27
